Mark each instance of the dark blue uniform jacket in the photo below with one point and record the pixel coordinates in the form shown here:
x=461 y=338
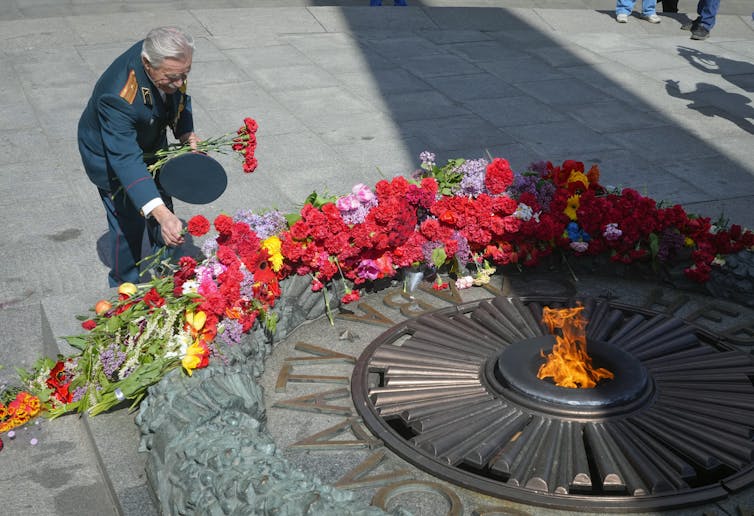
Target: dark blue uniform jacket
x=124 y=119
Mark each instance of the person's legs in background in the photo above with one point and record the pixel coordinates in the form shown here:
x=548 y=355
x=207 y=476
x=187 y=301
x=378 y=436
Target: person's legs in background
x=623 y=10
x=669 y=6
x=707 y=11
x=649 y=11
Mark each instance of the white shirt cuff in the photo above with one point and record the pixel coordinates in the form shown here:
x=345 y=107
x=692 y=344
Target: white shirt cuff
x=148 y=207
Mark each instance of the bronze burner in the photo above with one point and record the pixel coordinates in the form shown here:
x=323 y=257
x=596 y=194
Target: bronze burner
x=513 y=374
x=455 y=393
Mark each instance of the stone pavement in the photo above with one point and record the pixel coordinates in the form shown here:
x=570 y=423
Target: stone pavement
x=343 y=94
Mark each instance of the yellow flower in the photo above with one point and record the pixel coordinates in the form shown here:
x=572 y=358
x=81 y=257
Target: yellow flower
x=688 y=242
x=572 y=206
x=197 y=355
x=272 y=245
x=579 y=177
x=196 y=320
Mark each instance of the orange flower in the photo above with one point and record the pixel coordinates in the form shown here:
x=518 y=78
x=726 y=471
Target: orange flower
x=594 y=174
x=20 y=415
x=448 y=217
x=31 y=403
x=233 y=313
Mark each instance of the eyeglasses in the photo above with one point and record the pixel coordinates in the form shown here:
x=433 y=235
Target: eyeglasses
x=169 y=78
x=176 y=77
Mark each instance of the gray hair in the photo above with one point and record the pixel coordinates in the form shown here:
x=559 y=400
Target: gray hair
x=167 y=42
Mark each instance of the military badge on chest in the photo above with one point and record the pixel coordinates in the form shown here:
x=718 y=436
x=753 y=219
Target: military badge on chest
x=146 y=94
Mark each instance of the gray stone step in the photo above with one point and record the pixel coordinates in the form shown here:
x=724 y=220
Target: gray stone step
x=62 y=473
x=113 y=437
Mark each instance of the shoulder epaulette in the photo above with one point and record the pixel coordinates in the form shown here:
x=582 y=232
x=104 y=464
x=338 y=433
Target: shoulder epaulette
x=128 y=93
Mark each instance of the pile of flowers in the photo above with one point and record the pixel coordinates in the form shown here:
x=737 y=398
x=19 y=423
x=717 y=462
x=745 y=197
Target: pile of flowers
x=457 y=222
x=17 y=409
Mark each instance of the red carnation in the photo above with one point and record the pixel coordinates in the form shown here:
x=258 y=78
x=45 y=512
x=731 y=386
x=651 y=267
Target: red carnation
x=251 y=124
x=223 y=223
x=317 y=285
x=350 y=297
x=250 y=165
x=499 y=176
x=198 y=225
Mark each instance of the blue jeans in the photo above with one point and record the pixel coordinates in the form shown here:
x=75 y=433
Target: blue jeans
x=707 y=11
x=647 y=6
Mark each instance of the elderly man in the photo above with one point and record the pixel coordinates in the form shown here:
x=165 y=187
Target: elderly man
x=140 y=94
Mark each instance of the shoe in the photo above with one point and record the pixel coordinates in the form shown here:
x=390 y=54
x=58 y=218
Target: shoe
x=699 y=33
x=691 y=25
x=622 y=18
x=651 y=18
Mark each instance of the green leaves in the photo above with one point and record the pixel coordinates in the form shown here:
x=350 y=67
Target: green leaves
x=78 y=341
x=439 y=257
x=654 y=244
x=447 y=177
x=318 y=200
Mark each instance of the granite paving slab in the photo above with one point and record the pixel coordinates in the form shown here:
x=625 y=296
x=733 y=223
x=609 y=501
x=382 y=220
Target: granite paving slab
x=515 y=111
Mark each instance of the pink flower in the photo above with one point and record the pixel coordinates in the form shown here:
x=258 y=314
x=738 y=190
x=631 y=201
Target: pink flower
x=612 y=232
x=347 y=203
x=362 y=193
x=368 y=269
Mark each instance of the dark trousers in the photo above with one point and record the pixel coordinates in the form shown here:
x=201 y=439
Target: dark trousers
x=669 y=6
x=126 y=228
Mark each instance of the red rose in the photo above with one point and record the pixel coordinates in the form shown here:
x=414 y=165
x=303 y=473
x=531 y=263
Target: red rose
x=198 y=225
x=89 y=324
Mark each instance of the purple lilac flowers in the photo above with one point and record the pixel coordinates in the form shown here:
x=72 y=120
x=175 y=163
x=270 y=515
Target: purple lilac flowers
x=264 y=225
x=111 y=358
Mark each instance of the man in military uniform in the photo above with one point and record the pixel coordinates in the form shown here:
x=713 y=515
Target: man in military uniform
x=140 y=94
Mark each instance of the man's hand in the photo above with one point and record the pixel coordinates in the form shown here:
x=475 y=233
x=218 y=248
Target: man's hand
x=171 y=226
x=191 y=138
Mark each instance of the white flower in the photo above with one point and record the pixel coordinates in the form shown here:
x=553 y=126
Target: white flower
x=464 y=282
x=190 y=287
x=718 y=260
x=523 y=212
x=579 y=247
x=178 y=344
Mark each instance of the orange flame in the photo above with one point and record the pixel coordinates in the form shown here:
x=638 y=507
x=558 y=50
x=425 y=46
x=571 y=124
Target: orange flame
x=569 y=365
